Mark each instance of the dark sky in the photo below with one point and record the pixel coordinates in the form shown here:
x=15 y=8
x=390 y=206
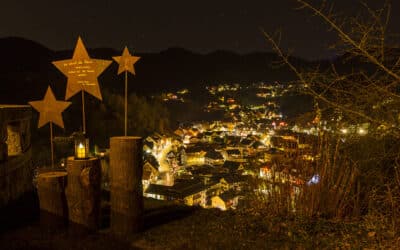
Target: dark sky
x=151 y=26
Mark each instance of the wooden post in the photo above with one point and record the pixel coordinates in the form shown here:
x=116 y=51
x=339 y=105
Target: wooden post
x=51 y=145
x=84 y=191
x=126 y=103
x=83 y=112
x=51 y=191
x=126 y=184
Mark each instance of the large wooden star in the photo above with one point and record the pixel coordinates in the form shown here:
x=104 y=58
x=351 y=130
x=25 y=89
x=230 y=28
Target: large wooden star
x=126 y=62
x=82 y=72
x=50 y=109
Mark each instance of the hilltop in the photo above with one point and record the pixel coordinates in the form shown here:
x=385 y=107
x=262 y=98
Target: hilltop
x=26 y=70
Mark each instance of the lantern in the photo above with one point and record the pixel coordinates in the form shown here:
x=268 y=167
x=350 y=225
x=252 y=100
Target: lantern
x=81 y=146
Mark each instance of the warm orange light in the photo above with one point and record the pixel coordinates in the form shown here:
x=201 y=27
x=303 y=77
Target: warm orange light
x=80 y=151
x=81 y=147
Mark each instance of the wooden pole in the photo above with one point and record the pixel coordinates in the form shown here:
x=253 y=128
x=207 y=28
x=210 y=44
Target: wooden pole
x=126 y=102
x=51 y=145
x=126 y=184
x=83 y=112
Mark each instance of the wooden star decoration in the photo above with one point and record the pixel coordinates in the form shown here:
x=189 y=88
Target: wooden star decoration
x=50 y=109
x=126 y=61
x=82 y=72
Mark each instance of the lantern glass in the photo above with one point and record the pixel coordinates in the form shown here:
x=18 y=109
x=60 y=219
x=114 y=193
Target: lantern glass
x=81 y=147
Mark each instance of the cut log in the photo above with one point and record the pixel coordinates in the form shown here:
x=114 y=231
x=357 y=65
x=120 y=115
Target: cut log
x=126 y=184
x=84 y=191
x=51 y=191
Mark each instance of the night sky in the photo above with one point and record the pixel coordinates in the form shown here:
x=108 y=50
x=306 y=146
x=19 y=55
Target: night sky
x=152 y=26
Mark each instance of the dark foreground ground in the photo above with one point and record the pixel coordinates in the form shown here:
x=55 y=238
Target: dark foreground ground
x=168 y=226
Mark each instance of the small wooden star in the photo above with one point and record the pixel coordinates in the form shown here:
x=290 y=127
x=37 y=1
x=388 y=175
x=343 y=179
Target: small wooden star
x=126 y=62
x=82 y=72
x=50 y=109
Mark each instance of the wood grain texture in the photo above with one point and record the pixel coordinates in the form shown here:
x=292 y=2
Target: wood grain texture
x=84 y=191
x=51 y=191
x=126 y=184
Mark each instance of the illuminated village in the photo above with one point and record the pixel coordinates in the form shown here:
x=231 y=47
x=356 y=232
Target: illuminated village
x=211 y=163
x=203 y=138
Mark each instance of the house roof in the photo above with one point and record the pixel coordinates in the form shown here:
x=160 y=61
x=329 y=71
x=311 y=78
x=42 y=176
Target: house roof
x=152 y=161
x=231 y=178
x=233 y=140
x=179 y=132
x=155 y=136
x=274 y=151
x=195 y=149
x=203 y=170
x=149 y=144
x=232 y=165
x=218 y=133
x=181 y=189
x=212 y=154
x=233 y=152
x=172 y=135
x=218 y=140
x=228 y=195
x=246 y=142
x=258 y=144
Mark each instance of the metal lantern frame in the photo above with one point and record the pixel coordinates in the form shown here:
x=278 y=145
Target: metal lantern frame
x=81 y=147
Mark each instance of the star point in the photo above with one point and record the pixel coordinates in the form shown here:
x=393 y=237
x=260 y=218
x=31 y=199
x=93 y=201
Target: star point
x=50 y=109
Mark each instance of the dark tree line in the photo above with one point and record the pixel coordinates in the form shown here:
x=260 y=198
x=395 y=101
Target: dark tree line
x=146 y=115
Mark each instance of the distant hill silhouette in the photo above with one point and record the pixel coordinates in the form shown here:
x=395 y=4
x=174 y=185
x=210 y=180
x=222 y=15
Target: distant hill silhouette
x=26 y=70
x=21 y=55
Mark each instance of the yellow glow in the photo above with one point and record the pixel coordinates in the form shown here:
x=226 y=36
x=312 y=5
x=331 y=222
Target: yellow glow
x=80 y=151
x=362 y=131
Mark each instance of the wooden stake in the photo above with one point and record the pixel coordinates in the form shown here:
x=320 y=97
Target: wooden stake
x=51 y=145
x=126 y=102
x=83 y=113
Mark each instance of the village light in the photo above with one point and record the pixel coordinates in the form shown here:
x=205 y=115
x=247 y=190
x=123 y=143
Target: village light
x=314 y=180
x=81 y=147
x=344 y=130
x=362 y=131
